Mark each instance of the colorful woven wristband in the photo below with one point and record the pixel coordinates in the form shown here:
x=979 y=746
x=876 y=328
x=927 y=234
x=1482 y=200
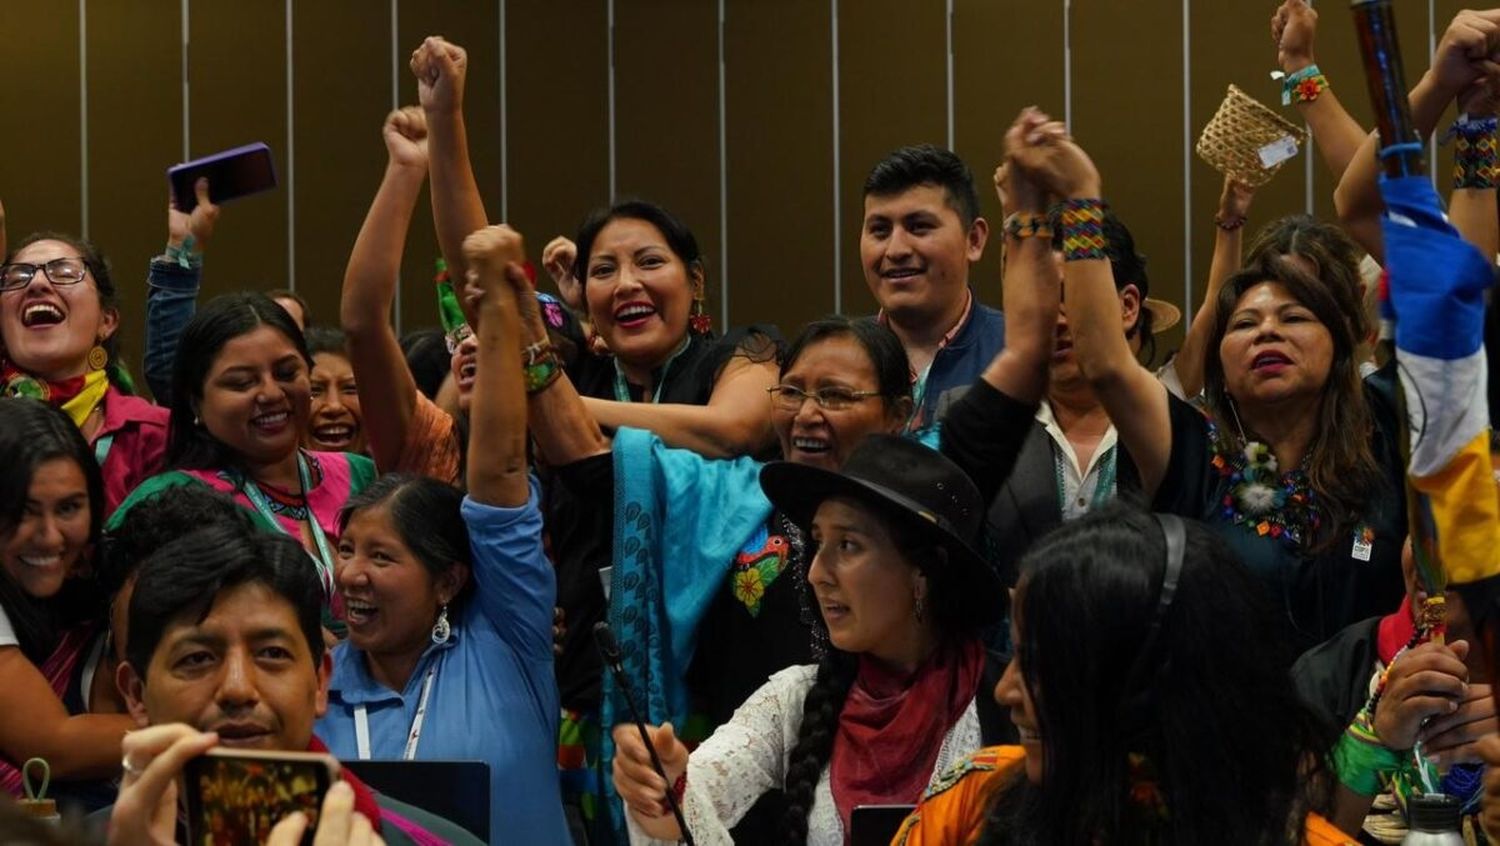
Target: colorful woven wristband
x=1304 y=86
x=1027 y=225
x=543 y=373
x=1082 y=223
x=1474 y=152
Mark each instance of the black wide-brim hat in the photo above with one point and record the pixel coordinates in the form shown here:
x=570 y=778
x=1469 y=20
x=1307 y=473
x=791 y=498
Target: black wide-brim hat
x=920 y=489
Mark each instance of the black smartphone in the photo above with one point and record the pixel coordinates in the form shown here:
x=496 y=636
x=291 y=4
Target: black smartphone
x=870 y=825
x=238 y=796
x=231 y=174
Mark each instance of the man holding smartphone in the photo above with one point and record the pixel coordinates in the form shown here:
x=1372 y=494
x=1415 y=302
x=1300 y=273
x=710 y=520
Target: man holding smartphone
x=226 y=650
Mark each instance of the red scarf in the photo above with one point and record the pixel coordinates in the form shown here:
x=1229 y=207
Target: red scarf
x=892 y=727
x=1394 y=631
x=364 y=797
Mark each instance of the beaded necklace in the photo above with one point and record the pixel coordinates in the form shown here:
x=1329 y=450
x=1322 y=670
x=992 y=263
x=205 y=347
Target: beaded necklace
x=1282 y=506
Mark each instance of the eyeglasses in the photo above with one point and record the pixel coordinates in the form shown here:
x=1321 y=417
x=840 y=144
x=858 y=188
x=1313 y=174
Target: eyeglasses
x=791 y=398
x=60 y=271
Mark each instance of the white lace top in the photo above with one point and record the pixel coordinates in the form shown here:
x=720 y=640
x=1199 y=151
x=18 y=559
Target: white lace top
x=747 y=756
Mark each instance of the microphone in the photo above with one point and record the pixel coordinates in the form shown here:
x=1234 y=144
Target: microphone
x=609 y=650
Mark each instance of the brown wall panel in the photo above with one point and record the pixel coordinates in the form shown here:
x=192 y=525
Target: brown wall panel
x=559 y=117
x=1338 y=58
x=892 y=92
x=135 y=133
x=238 y=95
x=667 y=115
x=1127 y=113
x=778 y=100
x=476 y=28
x=1001 y=64
x=351 y=73
x=39 y=168
x=1233 y=45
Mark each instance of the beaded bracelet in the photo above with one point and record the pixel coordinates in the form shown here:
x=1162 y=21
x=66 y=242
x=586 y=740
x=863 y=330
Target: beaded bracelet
x=1027 y=225
x=1082 y=223
x=534 y=353
x=185 y=255
x=1304 y=85
x=1474 y=152
x=543 y=373
x=679 y=788
x=1229 y=224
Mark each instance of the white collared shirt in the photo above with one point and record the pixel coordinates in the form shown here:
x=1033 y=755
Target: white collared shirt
x=1080 y=485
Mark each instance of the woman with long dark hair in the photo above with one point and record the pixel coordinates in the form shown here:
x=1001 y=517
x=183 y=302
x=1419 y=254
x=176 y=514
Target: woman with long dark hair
x=52 y=614
x=900 y=597
x=1150 y=690
x=240 y=403
x=1296 y=461
x=59 y=343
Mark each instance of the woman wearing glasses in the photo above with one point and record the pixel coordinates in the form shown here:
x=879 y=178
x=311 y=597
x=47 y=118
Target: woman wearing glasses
x=704 y=571
x=58 y=325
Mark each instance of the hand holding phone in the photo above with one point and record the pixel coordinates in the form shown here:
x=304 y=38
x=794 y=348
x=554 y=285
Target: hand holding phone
x=339 y=824
x=146 y=808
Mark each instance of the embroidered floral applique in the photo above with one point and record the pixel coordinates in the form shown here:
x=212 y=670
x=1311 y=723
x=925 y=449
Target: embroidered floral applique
x=755 y=571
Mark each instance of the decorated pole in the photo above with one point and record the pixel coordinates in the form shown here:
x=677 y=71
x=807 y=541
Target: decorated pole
x=1400 y=146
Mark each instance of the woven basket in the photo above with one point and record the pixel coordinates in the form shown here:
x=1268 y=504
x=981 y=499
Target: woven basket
x=1232 y=139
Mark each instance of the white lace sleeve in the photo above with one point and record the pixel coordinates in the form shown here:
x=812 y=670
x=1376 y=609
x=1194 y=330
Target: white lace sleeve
x=741 y=760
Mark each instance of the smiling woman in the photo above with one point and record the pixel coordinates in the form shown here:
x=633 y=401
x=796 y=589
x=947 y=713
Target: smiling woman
x=58 y=326
x=240 y=403
x=51 y=611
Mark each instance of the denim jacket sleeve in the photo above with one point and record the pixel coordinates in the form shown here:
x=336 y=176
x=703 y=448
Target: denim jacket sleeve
x=171 y=299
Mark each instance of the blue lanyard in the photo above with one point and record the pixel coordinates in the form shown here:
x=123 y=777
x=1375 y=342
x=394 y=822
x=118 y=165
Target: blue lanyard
x=324 y=557
x=622 y=388
x=101 y=448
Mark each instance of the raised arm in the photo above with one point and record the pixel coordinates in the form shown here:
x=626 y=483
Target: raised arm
x=1471 y=208
x=1336 y=134
x=36 y=725
x=1135 y=400
x=457 y=208
x=497 y=471
x=736 y=421
x=172 y=283
x=1229 y=231
x=1456 y=65
x=385 y=383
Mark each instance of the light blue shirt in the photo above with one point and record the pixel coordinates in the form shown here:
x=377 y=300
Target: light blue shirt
x=494 y=697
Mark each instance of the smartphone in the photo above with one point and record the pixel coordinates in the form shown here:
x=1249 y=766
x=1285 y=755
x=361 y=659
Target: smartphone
x=237 y=796
x=876 y=825
x=231 y=174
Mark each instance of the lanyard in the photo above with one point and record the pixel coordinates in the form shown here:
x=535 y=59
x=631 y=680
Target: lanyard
x=622 y=388
x=324 y=556
x=362 y=722
x=101 y=448
x=1104 y=489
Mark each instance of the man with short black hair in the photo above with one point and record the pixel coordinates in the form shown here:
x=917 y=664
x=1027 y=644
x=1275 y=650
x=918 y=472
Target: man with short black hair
x=921 y=231
x=225 y=637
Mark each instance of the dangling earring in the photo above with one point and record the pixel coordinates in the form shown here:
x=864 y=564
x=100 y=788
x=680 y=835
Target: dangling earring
x=441 y=631
x=917 y=610
x=98 y=358
x=699 y=323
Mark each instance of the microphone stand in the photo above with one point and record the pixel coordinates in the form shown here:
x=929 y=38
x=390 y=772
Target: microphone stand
x=609 y=649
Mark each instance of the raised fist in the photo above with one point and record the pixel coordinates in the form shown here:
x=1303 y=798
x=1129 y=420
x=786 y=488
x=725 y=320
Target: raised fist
x=1470 y=38
x=405 y=134
x=1293 y=28
x=1042 y=150
x=440 y=68
x=560 y=257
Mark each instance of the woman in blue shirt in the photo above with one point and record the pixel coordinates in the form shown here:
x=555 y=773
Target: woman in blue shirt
x=450 y=598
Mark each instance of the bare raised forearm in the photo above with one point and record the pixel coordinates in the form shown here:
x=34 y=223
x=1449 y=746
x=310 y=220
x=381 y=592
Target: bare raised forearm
x=1226 y=260
x=1031 y=287
x=380 y=370
x=497 y=471
x=457 y=208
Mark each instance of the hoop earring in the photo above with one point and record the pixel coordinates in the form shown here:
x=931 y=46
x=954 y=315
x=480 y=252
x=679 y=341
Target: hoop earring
x=441 y=630
x=98 y=358
x=699 y=323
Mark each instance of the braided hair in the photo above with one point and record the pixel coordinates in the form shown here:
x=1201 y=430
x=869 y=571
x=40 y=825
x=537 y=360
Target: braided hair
x=820 y=719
